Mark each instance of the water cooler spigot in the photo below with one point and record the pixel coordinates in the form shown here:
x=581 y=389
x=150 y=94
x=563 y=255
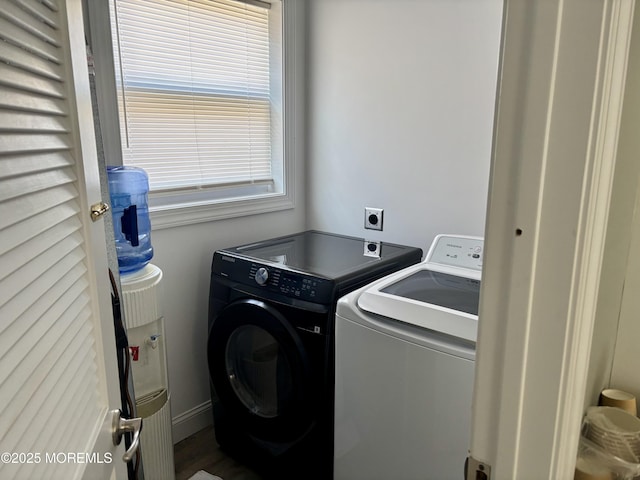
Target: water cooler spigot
x=152 y=341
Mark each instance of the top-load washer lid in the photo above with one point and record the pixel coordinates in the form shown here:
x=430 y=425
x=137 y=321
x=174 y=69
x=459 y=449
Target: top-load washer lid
x=437 y=288
x=442 y=293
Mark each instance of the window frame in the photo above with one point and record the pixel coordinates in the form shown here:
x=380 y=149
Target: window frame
x=170 y=209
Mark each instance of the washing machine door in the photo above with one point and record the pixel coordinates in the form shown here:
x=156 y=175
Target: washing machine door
x=260 y=371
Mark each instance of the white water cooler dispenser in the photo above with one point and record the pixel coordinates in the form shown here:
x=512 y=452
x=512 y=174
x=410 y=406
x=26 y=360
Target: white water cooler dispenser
x=141 y=299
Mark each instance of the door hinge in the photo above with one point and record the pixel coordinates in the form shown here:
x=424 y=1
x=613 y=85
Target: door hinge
x=476 y=470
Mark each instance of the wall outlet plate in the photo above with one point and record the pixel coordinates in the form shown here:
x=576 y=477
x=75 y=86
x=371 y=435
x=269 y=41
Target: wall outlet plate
x=372 y=249
x=373 y=218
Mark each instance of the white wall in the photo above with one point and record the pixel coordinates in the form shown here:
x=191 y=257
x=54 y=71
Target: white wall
x=401 y=102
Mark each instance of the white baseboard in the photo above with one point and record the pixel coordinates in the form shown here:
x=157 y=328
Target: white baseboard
x=191 y=421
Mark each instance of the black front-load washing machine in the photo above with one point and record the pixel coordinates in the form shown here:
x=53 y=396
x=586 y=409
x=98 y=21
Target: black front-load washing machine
x=271 y=345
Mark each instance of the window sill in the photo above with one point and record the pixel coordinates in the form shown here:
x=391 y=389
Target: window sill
x=187 y=214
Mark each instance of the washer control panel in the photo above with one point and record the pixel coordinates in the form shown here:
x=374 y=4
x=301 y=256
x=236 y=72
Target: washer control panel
x=457 y=251
x=291 y=284
x=277 y=280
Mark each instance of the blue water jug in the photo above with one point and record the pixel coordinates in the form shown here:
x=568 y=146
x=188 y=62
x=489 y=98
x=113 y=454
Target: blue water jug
x=129 y=188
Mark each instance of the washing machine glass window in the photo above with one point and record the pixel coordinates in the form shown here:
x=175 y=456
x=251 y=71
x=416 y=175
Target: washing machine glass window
x=259 y=372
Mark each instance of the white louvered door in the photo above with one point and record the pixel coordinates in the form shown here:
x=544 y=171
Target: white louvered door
x=58 y=372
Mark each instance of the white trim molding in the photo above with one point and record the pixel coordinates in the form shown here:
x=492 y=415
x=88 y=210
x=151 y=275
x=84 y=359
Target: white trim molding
x=175 y=217
x=192 y=421
x=562 y=77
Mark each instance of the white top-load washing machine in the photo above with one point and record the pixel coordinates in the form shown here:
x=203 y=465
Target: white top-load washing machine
x=405 y=351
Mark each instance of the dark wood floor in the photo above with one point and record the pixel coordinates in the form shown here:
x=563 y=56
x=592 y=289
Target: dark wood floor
x=200 y=452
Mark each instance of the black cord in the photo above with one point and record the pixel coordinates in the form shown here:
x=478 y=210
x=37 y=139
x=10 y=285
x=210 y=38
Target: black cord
x=127 y=369
x=124 y=367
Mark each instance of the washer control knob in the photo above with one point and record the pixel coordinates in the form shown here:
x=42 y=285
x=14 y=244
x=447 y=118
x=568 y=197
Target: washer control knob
x=261 y=276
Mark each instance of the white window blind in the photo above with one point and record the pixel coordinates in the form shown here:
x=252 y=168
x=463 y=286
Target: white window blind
x=194 y=92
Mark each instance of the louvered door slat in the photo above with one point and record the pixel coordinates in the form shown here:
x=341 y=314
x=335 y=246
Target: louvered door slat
x=40 y=12
x=13 y=211
x=21 y=255
x=62 y=390
x=51 y=4
x=15 y=77
x=23 y=413
x=20 y=186
x=32 y=143
x=66 y=387
x=19 y=297
x=36 y=225
x=69 y=436
x=18 y=36
x=47 y=337
x=28 y=376
x=31 y=321
x=22 y=165
x=81 y=387
x=30 y=62
x=23 y=121
x=54 y=433
x=32 y=228
x=13 y=99
x=31 y=24
x=33 y=317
